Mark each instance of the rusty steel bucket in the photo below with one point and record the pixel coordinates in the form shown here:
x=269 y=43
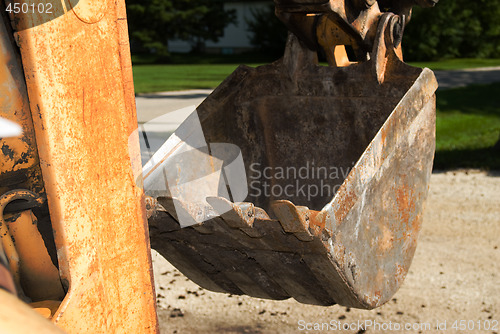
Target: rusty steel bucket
x=370 y=126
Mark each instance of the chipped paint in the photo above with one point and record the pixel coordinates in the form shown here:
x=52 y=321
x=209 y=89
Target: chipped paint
x=79 y=81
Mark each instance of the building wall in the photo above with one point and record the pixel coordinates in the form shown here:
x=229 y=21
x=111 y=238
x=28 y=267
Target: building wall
x=236 y=36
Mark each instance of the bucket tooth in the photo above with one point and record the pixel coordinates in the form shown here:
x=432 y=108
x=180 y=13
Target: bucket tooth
x=293 y=219
x=237 y=215
x=177 y=209
x=261 y=214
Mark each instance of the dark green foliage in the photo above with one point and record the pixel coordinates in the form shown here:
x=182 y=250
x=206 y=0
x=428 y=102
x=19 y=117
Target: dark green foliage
x=153 y=22
x=267 y=32
x=454 y=28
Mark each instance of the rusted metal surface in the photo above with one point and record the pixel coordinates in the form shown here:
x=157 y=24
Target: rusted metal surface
x=9 y=247
x=39 y=276
x=19 y=162
x=81 y=96
x=373 y=122
x=34 y=272
x=20 y=167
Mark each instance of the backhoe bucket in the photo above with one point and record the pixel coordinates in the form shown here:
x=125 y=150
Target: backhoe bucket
x=299 y=180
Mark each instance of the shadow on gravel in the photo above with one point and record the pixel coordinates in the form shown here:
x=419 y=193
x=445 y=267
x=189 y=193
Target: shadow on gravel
x=495 y=173
x=486 y=158
x=238 y=330
x=474 y=99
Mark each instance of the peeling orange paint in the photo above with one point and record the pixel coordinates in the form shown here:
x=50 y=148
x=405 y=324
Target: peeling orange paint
x=81 y=96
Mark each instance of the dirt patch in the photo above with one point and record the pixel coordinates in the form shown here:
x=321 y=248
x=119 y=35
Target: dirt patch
x=454 y=276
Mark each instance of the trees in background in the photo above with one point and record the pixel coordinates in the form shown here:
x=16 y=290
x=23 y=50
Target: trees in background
x=153 y=22
x=454 y=28
x=267 y=32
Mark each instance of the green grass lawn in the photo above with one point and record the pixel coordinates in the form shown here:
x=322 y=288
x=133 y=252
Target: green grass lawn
x=468 y=119
x=150 y=78
x=158 y=78
x=468 y=126
x=458 y=64
x=188 y=71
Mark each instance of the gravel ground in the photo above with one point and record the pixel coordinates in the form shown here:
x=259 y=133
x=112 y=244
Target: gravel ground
x=454 y=276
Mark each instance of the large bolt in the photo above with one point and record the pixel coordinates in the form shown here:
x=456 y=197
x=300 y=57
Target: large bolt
x=397 y=26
